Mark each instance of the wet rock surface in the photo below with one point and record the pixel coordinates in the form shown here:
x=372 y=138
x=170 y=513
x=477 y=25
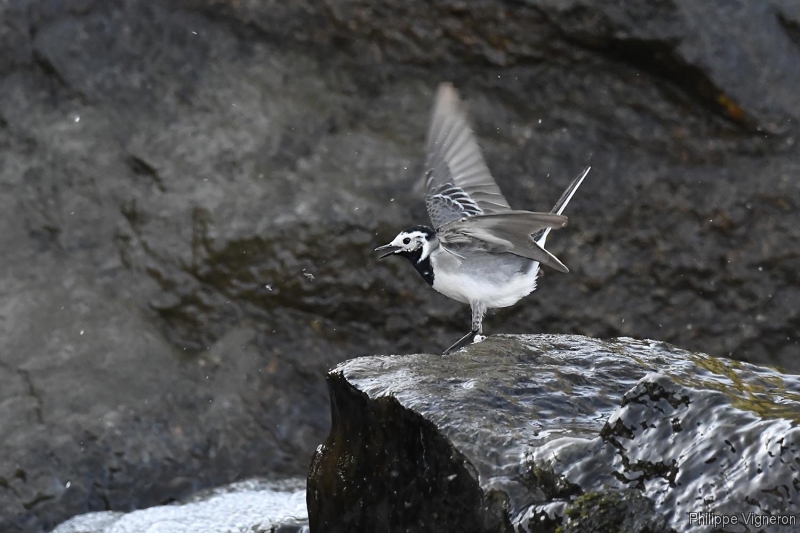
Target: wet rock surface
x=191 y=192
x=551 y=431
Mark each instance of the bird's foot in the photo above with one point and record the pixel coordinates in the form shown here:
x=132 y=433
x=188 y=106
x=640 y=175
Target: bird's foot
x=460 y=343
x=478 y=338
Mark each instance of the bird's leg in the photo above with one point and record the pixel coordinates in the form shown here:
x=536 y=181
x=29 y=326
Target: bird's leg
x=478 y=309
x=460 y=343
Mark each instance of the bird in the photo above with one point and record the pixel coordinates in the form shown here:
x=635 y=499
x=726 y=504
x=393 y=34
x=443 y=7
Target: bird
x=478 y=250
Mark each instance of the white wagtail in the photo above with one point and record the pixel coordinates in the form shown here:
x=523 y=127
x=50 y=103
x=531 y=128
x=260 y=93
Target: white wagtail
x=482 y=252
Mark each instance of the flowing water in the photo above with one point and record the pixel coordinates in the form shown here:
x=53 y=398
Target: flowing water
x=253 y=506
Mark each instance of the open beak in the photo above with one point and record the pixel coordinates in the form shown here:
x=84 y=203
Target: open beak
x=388 y=248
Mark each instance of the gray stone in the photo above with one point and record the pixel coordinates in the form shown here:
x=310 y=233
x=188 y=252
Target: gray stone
x=536 y=432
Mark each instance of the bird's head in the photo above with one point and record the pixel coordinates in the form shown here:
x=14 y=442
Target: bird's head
x=415 y=244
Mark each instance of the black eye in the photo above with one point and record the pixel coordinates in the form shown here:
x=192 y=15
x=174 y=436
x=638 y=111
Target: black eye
x=406 y=240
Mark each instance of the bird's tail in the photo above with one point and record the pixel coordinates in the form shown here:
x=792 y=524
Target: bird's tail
x=562 y=204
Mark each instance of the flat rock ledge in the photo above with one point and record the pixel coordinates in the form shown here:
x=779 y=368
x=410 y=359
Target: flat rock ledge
x=546 y=433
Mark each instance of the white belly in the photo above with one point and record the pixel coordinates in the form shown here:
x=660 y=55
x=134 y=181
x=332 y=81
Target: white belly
x=492 y=290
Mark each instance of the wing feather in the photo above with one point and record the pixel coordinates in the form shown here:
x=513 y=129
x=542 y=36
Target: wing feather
x=506 y=232
x=454 y=166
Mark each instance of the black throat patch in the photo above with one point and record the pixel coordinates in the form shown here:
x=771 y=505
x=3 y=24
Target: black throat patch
x=425 y=270
x=424 y=267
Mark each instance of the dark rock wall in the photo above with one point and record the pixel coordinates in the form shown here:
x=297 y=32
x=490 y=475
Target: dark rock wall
x=191 y=191
x=385 y=468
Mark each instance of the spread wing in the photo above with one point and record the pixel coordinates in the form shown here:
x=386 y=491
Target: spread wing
x=458 y=183
x=504 y=232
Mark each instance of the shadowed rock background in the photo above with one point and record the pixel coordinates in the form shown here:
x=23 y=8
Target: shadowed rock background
x=191 y=191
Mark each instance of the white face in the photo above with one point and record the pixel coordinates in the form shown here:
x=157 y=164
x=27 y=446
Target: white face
x=410 y=241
